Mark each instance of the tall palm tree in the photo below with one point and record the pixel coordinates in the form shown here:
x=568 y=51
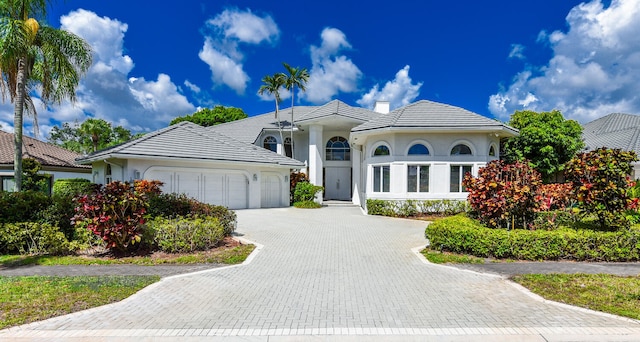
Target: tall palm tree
x=32 y=54
x=297 y=77
x=271 y=86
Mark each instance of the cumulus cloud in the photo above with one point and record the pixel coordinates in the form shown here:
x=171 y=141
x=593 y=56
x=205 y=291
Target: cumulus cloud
x=221 y=49
x=331 y=72
x=595 y=68
x=399 y=92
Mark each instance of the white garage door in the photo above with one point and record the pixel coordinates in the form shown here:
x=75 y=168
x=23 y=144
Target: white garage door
x=271 y=191
x=220 y=187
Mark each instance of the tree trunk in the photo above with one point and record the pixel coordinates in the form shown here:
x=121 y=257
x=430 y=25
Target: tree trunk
x=17 y=124
x=280 y=131
x=293 y=89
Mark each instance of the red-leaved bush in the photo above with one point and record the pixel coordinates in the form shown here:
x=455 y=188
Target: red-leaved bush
x=115 y=212
x=554 y=196
x=504 y=195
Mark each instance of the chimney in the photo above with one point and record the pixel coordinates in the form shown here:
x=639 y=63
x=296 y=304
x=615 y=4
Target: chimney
x=381 y=107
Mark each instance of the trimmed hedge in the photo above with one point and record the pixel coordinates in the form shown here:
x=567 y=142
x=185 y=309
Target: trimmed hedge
x=407 y=208
x=72 y=186
x=461 y=234
x=33 y=238
x=22 y=206
x=185 y=234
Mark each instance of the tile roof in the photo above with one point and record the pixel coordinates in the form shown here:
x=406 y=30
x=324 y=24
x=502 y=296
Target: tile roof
x=616 y=130
x=427 y=114
x=187 y=140
x=248 y=130
x=45 y=153
x=339 y=108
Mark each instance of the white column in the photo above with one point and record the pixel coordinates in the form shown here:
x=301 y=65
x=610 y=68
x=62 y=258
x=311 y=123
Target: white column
x=356 y=165
x=315 y=157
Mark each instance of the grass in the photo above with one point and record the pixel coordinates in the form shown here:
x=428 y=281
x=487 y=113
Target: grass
x=28 y=299
x=438 y=257
x=221 y=255
x=607 y=293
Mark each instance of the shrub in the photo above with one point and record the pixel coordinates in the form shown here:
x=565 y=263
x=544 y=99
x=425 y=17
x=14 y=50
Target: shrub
x=306 y=191
x=22 y=206
x=114 y=212
x=461 y=234
x=504 y=194
x=174 y=205
x=72 y=186
x=307 y=205
x=409 y=208
x=294 y=178
x=32 y=238
x=600 y=181
x=185 y=234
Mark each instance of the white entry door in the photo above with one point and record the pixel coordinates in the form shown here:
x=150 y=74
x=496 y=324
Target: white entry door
x=337 y=183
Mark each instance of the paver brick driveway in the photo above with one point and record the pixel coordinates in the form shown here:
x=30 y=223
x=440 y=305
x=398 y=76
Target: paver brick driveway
x=332 y=272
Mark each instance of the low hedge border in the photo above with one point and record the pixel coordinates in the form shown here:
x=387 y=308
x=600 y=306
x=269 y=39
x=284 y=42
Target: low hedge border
x=461 y=234
x=408 y=208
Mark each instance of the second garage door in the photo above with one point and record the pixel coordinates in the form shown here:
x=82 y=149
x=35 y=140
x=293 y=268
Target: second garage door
x=219 y=187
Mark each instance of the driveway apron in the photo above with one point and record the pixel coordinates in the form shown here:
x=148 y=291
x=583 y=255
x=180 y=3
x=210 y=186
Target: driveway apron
x=331 y=272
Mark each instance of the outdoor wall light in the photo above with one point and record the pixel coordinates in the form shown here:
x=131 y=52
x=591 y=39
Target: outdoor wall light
x=286 y=178
x=255 y=177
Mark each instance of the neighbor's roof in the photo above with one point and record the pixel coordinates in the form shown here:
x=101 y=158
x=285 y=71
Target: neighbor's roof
x=616 y=130
x=45 y=153
x=187 y=140
x=432 y=116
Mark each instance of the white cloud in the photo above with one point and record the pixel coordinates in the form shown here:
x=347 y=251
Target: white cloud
x=595 y=68
x=221 y=50
x=517 y=51
x=399 y=92
x=193 y=87
x=331 y=73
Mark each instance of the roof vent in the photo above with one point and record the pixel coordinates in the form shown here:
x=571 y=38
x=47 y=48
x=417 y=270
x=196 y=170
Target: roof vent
x=381 y=107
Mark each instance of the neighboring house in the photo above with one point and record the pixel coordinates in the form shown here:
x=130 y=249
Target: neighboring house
x=616 y=130
x=419 y=151
x=56 y=161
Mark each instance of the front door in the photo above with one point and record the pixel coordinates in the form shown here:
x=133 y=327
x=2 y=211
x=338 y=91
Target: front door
x=337 y=183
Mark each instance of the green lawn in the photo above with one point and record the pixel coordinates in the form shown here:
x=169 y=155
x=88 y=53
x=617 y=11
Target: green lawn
x=29 y=299
x=601 y=292
x=234 y=255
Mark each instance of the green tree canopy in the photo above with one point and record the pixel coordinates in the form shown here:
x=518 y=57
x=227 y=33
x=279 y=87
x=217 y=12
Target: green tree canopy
x=35 y=56
x=546 y=140
x=212 y=116
x=90 y=136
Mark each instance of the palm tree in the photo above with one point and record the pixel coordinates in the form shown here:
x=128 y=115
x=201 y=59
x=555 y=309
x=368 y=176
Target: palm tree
x=297 y=78
x=30 y=55
x=271 y=86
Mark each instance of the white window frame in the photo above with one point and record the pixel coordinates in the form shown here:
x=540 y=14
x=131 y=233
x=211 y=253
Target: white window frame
x=381 y=187
x=418 y=177
x=461 y=174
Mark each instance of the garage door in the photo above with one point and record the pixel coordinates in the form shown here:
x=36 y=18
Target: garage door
x=271 y=191
x=220 y=187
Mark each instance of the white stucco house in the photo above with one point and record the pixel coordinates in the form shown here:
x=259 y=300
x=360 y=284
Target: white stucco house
x=419 y=151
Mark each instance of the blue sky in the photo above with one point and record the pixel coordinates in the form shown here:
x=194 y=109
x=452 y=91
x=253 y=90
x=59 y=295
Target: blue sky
x=155 y=62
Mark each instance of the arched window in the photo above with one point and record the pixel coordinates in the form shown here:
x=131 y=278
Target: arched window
x=287 y=147
x=492 y=151
x=338 y=149
x=108 y=178
x=381 y=150
x=418 y=149
x=270 y=143
x=460 y=150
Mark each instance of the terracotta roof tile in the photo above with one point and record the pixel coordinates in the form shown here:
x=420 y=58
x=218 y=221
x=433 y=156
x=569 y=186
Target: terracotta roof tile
x=45 y=153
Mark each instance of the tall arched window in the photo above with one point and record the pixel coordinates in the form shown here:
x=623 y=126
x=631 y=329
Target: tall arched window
x=492 y=151
x=108 y=178
x=418 y=149
x=270 y=143
x=381 y=150
x=338 y=149
x=287 y=147
x=460 y=149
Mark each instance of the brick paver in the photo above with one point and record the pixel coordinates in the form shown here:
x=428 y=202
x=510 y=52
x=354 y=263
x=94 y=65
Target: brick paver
x=338 y=274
